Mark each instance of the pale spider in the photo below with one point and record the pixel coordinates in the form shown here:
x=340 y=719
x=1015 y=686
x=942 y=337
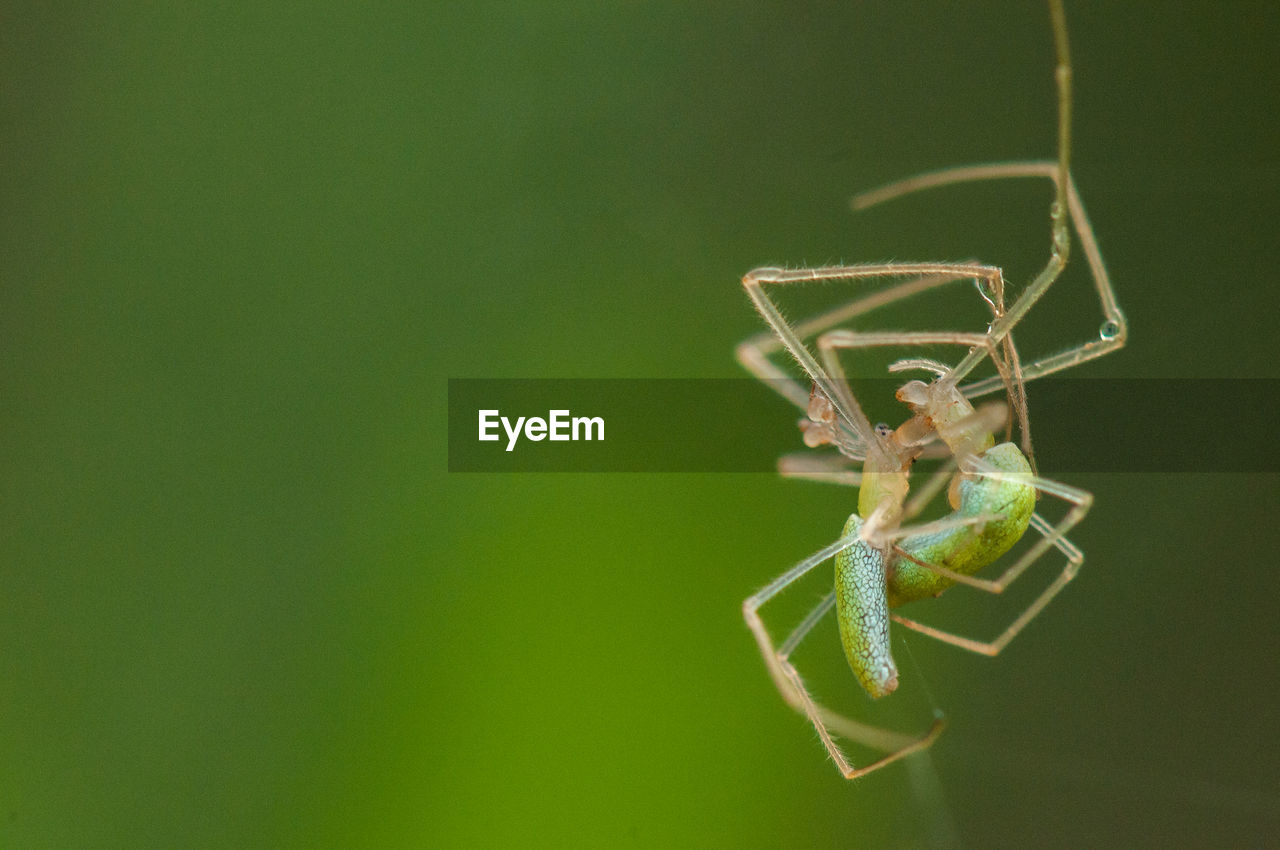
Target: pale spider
x=881 y=562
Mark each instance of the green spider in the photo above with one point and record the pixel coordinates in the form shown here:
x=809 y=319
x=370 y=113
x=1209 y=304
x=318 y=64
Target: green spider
x=881 y=560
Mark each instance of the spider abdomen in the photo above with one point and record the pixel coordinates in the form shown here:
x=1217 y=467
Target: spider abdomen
x=967 y=549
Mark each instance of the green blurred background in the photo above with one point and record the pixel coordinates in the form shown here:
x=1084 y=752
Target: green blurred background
x=243 y=604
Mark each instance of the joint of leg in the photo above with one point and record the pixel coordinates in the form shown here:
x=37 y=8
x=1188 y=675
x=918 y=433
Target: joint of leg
x=1061 y=244
x=764 y=273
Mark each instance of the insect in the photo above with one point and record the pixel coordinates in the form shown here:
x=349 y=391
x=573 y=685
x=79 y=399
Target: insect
x=882 y=560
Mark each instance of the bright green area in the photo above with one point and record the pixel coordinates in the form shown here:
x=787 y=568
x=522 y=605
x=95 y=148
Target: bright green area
x=863 y=598
x=244 y=245
x=862 y=613
x=964 y=549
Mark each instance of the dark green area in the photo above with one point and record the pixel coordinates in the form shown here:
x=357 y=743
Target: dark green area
x=244 y=246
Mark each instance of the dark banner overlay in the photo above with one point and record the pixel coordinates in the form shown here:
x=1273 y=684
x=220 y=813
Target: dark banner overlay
x=742 y=425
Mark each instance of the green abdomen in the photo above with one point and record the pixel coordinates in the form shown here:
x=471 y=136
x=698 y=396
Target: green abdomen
x=968 y=549
x=863 y=614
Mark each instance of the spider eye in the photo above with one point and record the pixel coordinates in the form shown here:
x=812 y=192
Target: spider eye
x=883 y=430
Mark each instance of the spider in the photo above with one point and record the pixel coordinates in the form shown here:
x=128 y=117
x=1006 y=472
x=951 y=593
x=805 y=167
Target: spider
x=883 y=561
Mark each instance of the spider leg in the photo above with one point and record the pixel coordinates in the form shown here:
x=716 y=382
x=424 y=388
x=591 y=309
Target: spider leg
x=1066 y=203
x=1050 y=536
x=1114 y=329
x=823 y=468
x=753 y=353
x=787 y=679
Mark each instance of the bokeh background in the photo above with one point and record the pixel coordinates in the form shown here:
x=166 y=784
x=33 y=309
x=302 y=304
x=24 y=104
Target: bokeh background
x=243 y=603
